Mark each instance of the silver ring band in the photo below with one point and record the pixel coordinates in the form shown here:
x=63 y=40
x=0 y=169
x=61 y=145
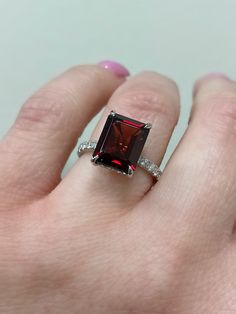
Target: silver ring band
x=144 y=163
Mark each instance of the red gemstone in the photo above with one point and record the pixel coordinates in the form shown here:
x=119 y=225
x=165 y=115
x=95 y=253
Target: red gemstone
x=121 y=143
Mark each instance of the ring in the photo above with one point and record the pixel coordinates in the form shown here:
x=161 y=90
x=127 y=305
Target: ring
x=120 y=146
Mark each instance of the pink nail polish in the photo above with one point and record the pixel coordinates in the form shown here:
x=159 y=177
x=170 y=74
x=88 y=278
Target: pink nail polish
x=207 y=77
x=115 y=67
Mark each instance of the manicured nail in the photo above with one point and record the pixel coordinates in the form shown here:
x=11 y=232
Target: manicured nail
x=115 y=67
x=207 y=77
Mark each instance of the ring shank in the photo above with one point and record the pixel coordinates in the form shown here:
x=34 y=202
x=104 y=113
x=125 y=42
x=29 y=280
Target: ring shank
x=144 y=163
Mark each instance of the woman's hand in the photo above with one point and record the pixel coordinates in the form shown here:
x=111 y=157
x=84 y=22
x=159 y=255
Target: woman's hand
x=99 y=243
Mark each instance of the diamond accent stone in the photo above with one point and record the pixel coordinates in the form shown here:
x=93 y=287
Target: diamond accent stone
x=150 y=166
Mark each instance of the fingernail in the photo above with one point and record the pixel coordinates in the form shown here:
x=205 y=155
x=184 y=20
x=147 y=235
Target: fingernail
x=115 y=67
x=207 y=77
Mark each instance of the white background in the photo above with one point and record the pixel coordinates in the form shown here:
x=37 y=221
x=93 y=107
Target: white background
x=183 y=39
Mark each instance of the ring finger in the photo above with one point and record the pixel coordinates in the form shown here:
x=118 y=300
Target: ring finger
x=147 y=97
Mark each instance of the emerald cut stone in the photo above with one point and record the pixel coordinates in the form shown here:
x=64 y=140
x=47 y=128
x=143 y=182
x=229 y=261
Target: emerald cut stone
x=121 y=143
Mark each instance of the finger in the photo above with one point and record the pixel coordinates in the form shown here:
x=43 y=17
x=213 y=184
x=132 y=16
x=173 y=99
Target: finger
x=200 y=179
x=36 y=148
x=147 y=97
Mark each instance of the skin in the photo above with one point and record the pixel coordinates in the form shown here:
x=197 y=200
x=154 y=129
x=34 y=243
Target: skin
x=99 y=243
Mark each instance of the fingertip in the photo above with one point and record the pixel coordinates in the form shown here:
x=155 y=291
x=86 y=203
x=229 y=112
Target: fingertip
x=209 y=77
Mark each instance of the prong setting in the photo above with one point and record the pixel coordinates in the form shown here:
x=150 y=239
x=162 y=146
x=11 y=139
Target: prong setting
x=112 y=113
x=148 y=126
x=94 y=159
x=130 y=172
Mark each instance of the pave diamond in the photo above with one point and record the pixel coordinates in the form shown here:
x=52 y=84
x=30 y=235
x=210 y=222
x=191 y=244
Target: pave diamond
x=150 y=166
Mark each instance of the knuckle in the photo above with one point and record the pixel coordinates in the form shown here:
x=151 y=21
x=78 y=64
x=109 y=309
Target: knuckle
x=219 y=112
x=45 y=109
x=160 y=79
x=146 y=104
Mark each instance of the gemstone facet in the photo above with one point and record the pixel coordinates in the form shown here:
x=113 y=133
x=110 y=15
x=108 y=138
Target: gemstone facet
x=121 y=143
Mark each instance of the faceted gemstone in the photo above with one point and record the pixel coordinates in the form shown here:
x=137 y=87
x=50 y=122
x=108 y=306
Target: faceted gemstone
x=121 y=143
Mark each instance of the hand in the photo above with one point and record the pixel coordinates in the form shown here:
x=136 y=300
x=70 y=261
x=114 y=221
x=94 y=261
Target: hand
x=99 y=243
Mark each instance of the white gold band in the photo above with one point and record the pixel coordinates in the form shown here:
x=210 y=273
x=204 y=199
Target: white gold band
x=144 y=163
